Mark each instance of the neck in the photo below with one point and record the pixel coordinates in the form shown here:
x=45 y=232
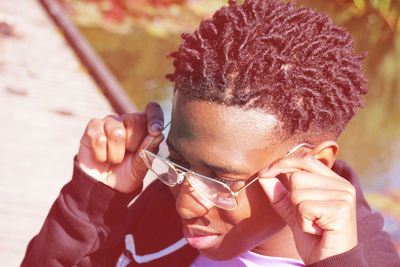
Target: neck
x=280 y=245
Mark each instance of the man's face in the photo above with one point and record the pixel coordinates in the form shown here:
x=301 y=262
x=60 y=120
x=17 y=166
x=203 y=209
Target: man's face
x=232 y=144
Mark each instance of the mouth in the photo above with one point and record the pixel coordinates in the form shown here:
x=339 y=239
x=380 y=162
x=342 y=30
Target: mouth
x=199 y=238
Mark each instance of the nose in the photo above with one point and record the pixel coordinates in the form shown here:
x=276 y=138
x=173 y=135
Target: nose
x=189 y=204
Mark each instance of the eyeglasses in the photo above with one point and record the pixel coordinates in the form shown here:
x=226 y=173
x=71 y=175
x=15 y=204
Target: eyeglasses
x=210 y=189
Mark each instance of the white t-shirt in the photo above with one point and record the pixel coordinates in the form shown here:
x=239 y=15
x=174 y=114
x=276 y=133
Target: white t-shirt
x=248 y=259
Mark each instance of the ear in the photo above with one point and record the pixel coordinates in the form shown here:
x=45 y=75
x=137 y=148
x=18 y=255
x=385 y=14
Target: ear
x=326 y=152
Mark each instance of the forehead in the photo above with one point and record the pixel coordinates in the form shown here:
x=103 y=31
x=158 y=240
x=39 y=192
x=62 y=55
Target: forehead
x=226 y=135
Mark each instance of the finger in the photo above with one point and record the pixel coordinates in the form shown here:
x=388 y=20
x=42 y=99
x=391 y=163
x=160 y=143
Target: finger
x=302 y=180
x=95 y=139
x=307 y=219
x=136 y=130
x=302 y=195
x=155 y=118
x=139 y=168
x=304 y=162
x=116 y=139
x=279 y=198
x=316 y=216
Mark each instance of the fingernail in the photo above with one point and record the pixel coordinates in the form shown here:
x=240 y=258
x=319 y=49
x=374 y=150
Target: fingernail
x=156 y=127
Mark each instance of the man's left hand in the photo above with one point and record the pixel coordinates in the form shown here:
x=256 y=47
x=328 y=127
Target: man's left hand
x=317 y=204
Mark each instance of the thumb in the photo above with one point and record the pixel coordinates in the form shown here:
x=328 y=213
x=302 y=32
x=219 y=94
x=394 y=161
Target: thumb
x=138 y=166
x=279 y=198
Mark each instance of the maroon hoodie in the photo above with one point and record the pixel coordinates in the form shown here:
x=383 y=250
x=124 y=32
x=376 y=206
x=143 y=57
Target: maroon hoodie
x=90 y=224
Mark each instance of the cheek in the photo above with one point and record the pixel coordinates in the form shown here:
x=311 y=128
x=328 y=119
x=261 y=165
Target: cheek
x=261 y=210
x=255 y=198
x=253 y=222
x=254 y=215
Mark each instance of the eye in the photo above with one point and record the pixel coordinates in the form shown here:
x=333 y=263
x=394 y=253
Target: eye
x=233 y=184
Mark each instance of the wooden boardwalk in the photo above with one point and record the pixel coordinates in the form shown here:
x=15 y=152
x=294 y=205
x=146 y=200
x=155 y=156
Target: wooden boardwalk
x=46 y=99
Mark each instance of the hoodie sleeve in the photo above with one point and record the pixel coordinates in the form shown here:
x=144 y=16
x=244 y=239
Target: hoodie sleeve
x=87 y=219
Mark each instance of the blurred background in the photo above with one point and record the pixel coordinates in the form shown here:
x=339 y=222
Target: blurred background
x=133 y=37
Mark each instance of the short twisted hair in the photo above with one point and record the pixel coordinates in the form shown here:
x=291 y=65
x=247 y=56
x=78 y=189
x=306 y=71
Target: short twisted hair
x=291 y=62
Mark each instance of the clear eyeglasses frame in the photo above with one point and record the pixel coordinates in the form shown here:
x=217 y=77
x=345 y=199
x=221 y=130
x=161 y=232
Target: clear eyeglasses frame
x=210 y=189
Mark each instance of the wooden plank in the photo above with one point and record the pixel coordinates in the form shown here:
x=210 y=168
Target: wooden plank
x=46 y=99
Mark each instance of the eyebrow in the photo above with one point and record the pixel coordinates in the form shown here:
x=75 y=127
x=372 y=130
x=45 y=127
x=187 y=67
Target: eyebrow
x=220 y=169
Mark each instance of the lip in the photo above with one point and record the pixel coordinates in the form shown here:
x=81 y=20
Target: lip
x=200 y=238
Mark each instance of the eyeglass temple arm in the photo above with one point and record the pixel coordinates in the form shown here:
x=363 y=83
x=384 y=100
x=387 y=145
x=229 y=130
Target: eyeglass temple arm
x=307 y=145
x=235 y=194
x=165 y=127
x=287 y=154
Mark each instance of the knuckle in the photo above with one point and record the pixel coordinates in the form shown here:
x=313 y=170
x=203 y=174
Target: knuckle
x=91 y=133
x=301 y=208
x=348 y=196
x=117 y=135
x=135 y=119
x=93 y=127
x=100 y=140
x=344 y=209
x=295 y=197
x=295 y=178
x=112 y=117
x=94 y=123
x=351 y=189
x=140 y=119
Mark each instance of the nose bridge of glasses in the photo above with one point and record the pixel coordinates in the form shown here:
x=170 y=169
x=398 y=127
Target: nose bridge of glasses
x=180 y=178
x=190 y=203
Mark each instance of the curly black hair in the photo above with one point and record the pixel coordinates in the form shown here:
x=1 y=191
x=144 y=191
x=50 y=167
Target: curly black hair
x=292 y=62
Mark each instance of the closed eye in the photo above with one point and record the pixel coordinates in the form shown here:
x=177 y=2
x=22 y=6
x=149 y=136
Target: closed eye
x=230 y=183
x=179 y=162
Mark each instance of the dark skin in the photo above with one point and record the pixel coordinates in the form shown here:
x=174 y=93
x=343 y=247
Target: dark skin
x=308 y=213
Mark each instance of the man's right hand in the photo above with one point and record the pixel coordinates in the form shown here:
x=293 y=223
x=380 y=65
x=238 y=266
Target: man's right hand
x=109 y=149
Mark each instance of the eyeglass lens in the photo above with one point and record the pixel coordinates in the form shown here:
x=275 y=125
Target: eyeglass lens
x=210 y=190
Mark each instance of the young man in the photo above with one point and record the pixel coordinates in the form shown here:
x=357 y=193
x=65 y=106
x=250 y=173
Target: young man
x=262 y=91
